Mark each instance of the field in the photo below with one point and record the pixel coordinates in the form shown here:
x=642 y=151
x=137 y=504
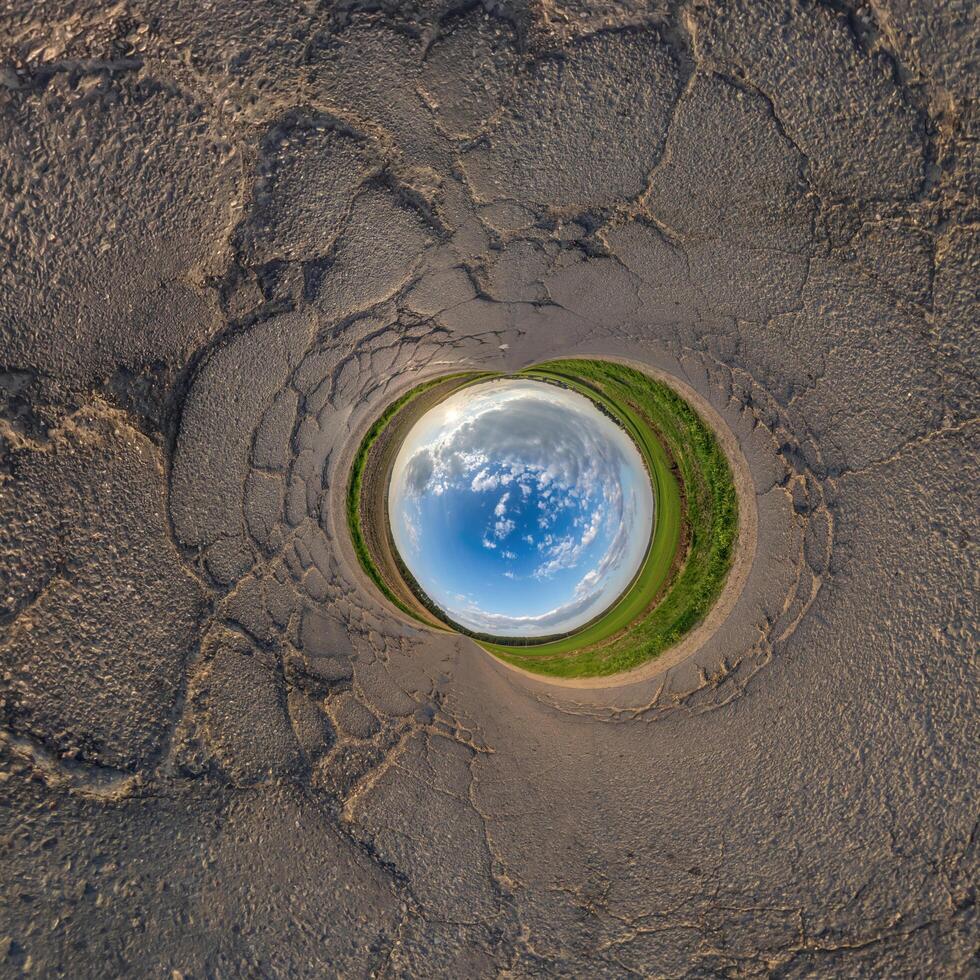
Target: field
x=691 y=549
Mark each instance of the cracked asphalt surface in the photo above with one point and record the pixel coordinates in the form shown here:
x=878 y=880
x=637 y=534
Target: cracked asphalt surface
x=231 y=233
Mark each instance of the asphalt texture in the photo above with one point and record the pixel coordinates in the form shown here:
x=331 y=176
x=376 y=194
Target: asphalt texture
x=230 y=233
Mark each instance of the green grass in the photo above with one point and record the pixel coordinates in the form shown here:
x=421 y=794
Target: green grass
x=696 y=510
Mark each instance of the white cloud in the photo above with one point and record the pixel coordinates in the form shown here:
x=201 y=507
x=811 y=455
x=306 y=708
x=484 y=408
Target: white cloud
x=484 y=480
x=521 y=435
x=501 y=528
x=552 y=621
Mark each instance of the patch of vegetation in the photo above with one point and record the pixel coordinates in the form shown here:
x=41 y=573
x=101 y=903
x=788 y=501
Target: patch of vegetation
x=691 y=548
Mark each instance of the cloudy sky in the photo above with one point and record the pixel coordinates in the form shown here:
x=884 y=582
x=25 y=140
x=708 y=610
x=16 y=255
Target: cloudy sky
x=520 y=508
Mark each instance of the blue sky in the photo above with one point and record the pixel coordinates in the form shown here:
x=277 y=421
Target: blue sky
x=520 y=508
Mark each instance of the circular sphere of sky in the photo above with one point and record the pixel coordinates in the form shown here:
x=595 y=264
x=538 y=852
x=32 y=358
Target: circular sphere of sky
x=520 y=508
